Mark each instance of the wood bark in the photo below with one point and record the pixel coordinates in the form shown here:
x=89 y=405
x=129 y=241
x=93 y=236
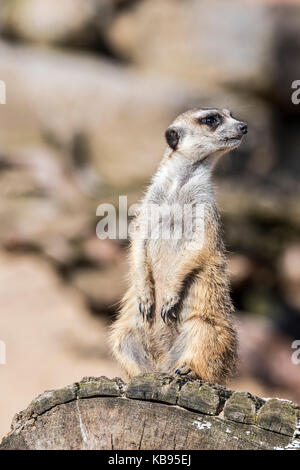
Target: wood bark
x=153 y=412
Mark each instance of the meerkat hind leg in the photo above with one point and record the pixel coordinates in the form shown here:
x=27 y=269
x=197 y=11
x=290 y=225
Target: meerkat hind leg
x=131 y=352
x=129 y=339
x=203 y=351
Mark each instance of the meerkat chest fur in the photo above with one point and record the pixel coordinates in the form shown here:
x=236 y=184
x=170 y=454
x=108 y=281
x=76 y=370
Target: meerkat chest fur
x=178 y=185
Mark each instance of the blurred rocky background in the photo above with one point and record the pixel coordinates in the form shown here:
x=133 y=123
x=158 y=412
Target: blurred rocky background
x=91 y=86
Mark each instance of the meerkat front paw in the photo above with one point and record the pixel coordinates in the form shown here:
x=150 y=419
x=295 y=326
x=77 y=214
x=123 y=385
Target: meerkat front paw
x=145 y=302
x=168 y=309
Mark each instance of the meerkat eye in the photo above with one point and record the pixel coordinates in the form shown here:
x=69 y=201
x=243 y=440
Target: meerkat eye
x=212 y=120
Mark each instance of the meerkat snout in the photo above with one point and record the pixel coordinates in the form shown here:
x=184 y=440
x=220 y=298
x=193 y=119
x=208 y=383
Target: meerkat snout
x=242 y=126
x=240 y=130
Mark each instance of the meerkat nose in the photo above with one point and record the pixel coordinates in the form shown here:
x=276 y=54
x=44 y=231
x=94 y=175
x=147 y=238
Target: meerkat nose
x=243 y=128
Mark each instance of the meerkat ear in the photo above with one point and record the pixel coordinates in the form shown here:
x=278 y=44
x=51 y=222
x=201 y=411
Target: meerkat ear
x=172 y=137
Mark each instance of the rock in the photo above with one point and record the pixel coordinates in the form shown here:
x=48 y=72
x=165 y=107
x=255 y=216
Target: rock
x=215 y=41
x=76 y=22
x=41 y=207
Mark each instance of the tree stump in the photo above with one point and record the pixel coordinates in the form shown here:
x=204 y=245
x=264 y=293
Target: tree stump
x=155 y=412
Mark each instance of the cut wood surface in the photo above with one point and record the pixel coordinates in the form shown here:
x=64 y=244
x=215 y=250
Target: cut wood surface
x=153 y=412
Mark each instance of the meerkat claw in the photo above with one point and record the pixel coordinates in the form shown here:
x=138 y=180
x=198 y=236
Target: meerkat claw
x=145 y=308
x=168 y=313
x=182 y=372
x=165 y=313
x=173 y=315
x=149 y=313
x=141 y=309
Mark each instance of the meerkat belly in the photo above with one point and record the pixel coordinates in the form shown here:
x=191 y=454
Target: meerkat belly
x=163 y=255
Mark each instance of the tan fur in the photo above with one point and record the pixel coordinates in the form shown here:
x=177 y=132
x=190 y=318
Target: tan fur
x=198 y=338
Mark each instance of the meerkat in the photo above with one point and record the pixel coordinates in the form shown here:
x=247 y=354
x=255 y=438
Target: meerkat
x=176 y=317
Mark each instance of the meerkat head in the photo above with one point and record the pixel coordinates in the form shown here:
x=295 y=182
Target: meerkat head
x=199 y=133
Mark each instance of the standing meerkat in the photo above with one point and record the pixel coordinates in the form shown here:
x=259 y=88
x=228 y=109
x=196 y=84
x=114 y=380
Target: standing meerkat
x=176 y=317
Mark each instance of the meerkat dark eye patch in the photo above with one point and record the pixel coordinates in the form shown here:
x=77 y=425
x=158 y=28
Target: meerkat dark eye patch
x=211 y=120
x=172 y=137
